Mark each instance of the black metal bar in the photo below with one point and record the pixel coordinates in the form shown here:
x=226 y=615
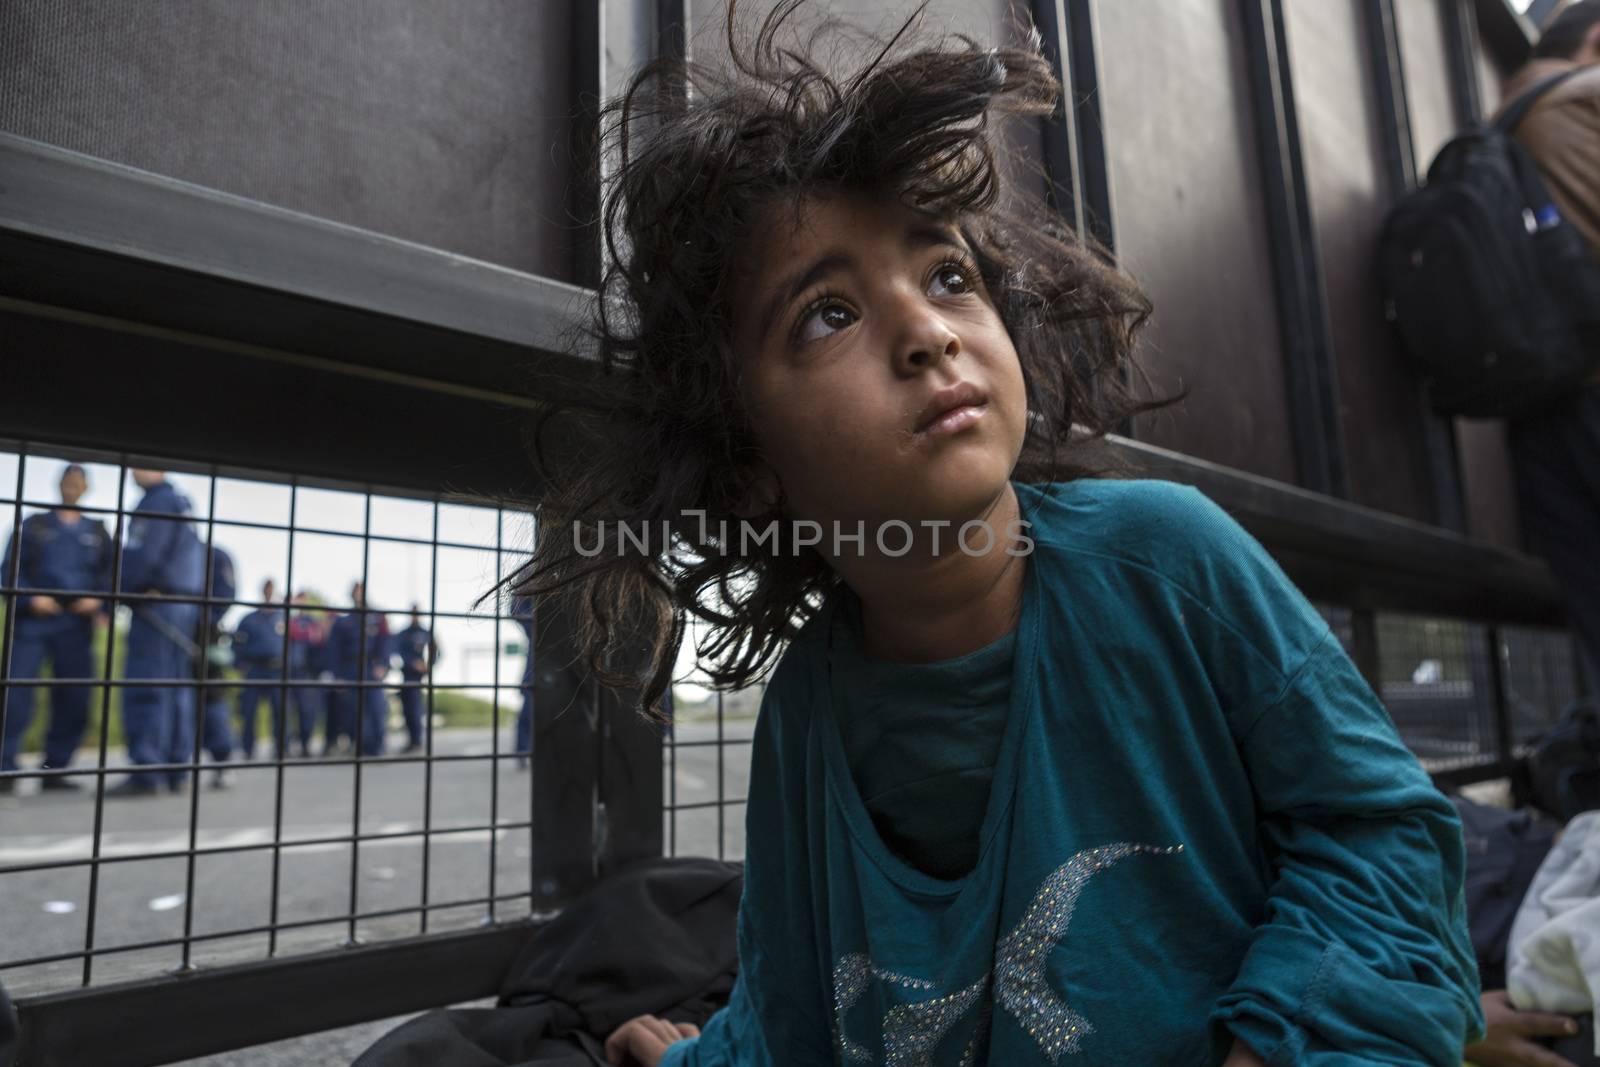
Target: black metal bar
x=672 y=787
x=255 y=931
x=564 y=760
x=1461 y=28
x=494 y=710
x=341 y=761
x=203 y=632
x=13 y=582
x=155 y=1020
x=1455 y=777
x=1094 y=171
x=427 y=767
x=1401 y=166
x=105 y=729
x=213 y=601
x=1361 y=557
x=1394 y=109
x=1500 y=703
x=583 y=133
x=66 y=208
x=359 y=695
x=722 y=796
x=1060 y=129
x=698 y=805
x=283 y=717
x=673 y=20
x=1365 y=650
x=219 y=850
x=1309 y=370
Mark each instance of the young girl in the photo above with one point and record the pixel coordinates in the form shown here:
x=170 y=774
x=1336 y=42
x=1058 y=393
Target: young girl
x=1054 y=768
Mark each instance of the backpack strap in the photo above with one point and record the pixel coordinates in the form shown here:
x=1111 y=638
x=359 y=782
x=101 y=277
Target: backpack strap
x=1512 y=116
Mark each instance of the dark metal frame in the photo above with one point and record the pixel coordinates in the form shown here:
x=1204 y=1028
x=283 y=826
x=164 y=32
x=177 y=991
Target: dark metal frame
x=1074 y=138
x=163 y=1020
x=1449 y=507
x=1309 y=370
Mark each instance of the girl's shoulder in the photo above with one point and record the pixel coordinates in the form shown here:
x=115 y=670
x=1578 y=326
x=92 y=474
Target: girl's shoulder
x=1176 y=545
x=1141 y=520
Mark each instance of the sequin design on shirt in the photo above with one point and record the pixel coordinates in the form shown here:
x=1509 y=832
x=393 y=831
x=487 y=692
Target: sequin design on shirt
x=850 y=977
x=1020 y=983
x=912 y=1031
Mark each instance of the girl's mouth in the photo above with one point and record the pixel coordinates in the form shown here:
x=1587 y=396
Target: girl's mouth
x=950 y=411
x=953 y=421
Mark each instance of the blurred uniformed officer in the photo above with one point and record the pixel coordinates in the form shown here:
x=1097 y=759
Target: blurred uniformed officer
x=522 y=611
x=418 y=653
x=359 y=650
x=217 y=737
x=162 y=557
x=308 y=631
x=258 y=645
x=70 y=554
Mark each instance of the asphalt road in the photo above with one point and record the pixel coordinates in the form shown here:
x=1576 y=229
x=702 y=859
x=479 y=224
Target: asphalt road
x=141 y=899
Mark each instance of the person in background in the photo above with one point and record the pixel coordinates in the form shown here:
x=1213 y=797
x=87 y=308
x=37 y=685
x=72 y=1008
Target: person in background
x=258 y=646
x=70 y=554
x=522 y=612
x=163 y=558
x=308 y=631
x=216 y=722
x=418 y=653
x=1555 y=455
x=360 y=651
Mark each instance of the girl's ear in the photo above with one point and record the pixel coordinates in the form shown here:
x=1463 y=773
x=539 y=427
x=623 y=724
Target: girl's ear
x=761 y=494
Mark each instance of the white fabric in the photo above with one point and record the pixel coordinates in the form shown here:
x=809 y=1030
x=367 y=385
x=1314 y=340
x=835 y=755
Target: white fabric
x=1554 y=951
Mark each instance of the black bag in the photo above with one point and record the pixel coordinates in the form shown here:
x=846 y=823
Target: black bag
x=1504 y=851
x=1564 y=766
x=1495 y=294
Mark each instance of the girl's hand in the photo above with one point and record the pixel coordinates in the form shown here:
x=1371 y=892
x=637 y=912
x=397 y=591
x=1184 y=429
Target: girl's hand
x=1241 y=1056
x=642 y=1040
x=1506 y=1029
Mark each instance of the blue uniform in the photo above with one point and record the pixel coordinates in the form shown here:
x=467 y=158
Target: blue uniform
x=306 y=641
x=353 y=659
x=162 y=555
x=418 y=653
x=258 y=644
x=218 y=725
x=522 y=611
x=55 y=555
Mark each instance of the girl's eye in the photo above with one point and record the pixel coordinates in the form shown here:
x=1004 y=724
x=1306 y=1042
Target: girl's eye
x=822 y=321
x=953 y=278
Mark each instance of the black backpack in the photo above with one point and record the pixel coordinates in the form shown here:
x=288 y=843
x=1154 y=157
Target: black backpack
x=1564 y=764
x=1495 y=294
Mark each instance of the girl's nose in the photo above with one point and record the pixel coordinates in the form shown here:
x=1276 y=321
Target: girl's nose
x=926 y=341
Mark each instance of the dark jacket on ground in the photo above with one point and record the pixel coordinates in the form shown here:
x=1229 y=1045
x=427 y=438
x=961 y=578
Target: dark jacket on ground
x=655 y=938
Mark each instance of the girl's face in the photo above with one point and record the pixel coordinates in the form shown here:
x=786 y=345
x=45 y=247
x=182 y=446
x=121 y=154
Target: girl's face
x=882 y=382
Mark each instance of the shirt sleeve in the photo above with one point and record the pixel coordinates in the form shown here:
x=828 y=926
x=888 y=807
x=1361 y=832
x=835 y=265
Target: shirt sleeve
x=1363 y=954
x=759 y=1026
x=150 y=542
x=777 y=1012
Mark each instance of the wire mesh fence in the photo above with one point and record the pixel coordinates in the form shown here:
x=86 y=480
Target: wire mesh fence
x=1447 y=682
x=343 y=749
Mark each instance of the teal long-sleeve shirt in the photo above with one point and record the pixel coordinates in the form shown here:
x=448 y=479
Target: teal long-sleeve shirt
x=1202 y=825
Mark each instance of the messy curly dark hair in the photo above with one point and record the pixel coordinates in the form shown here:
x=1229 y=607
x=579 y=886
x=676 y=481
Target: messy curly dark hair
x=700 y=154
